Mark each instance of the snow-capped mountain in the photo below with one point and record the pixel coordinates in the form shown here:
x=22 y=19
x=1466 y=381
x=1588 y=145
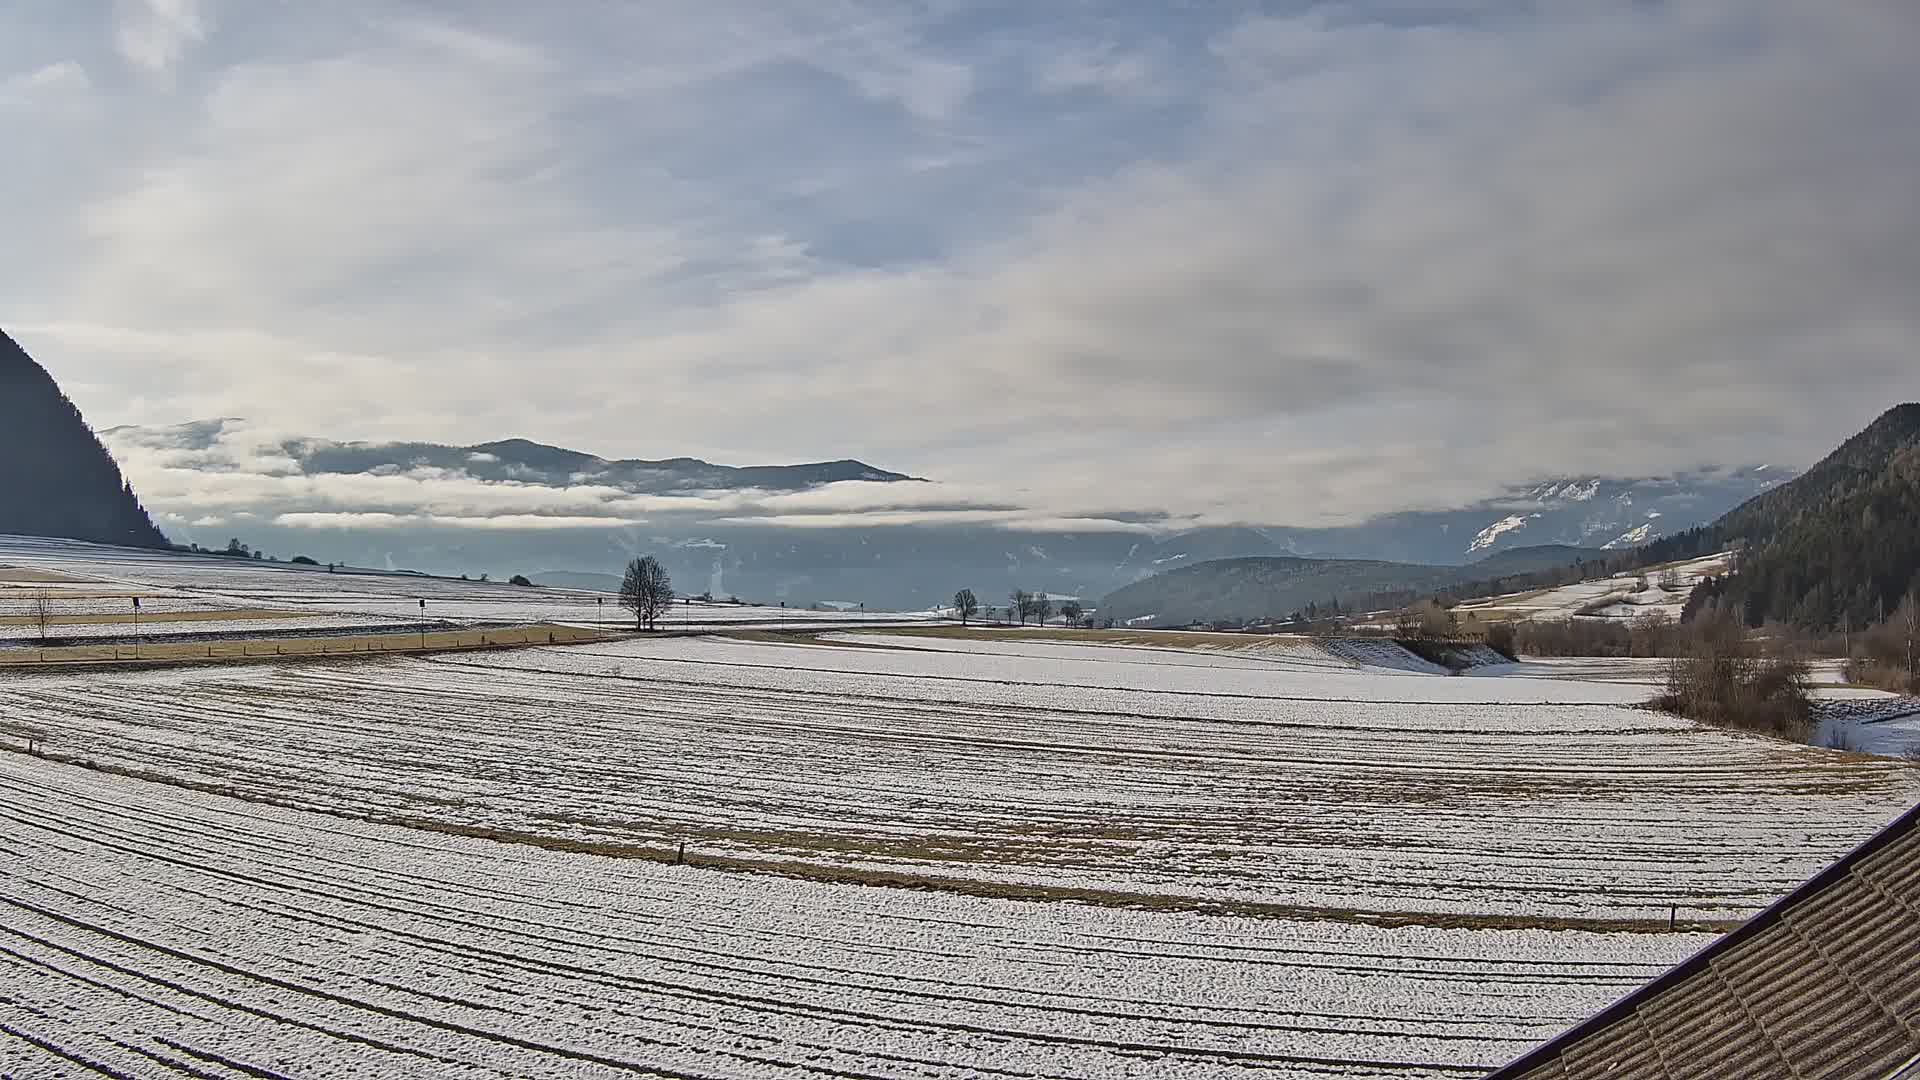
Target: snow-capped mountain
x=1609 y=513
x=514 y=506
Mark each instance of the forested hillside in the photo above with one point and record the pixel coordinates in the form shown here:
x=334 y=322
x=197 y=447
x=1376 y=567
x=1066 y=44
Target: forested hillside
x=55 y=477
x=1840 y=545
x=1247 y=590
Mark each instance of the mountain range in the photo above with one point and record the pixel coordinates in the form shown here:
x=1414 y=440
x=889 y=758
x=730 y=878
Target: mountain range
x=56 y=479
x=890 y=566
x=1838 y=545
x=60 y=481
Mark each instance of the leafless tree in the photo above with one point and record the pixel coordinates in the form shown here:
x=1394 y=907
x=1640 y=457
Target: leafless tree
x=1909 y=616
x=965 y=605
x=1722 y=676
x=647 y=591
x=42 y=613
x=1669 y=580
x=1071 y=611
x=1042 y=606
x=1407 y=623
x=1019 y=605
x=1650 y=632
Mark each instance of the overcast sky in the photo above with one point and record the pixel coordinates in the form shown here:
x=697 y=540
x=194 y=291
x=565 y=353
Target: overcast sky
x=1282 y=263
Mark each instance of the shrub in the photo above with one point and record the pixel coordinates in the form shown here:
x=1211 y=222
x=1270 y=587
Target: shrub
x=1722 y=679
x=1574 y=637
x=1503 y=639
x=1867 y=671
x=302 y=560
x=519 y=579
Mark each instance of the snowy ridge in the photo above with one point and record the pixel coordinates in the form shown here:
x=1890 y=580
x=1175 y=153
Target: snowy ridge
x=1492 y=533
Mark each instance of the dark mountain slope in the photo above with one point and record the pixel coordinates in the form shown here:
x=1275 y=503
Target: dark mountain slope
x=517 y=460
x=1526 y=560
x=55 y=477
x=1840 y=543
x=1241 y=590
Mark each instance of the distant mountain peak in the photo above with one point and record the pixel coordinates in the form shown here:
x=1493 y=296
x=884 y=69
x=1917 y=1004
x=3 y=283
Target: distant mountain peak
x=519 y=460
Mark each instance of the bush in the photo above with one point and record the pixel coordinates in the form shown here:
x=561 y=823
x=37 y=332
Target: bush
x=1504 y=639
x=1574 y=637
x=1867 y=671
x=1723 y=680
x=302 y=560
x=519 y=579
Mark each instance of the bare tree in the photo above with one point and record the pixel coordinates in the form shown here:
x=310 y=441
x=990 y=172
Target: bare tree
x=1071 y=611
x=647 y=591
x=1669 y=580
x=1650 y=632
x=1042 y=606
x=1428 y=620
x=965 y=605
x=1019 y=604
x=42 y=613
x=1909 y=615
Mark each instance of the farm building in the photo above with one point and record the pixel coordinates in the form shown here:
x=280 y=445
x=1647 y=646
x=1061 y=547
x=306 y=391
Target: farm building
x=1825 y=983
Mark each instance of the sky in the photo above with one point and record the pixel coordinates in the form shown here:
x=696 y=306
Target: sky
x=1280 y=263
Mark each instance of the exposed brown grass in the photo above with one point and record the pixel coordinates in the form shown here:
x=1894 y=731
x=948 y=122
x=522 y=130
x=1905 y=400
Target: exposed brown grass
x=120 y=618
x=29 y=574
x=274 y=648
x=1165 y=639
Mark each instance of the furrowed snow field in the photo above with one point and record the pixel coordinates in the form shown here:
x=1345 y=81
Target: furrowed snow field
x=150 y=931
x=1191 y=781
x=911 y=853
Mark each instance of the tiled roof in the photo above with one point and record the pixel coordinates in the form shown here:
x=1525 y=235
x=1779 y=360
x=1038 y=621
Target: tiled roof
x=1824 y=984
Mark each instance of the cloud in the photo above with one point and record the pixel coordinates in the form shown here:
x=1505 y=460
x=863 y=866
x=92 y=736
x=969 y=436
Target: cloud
x=374 y=520
x=202 y=475
x=153 y=35
x=1341 y=261
x=48 y=80
x=1104 y=68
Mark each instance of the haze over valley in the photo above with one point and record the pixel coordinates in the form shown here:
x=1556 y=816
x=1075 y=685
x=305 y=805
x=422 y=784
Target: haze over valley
x=742 y=540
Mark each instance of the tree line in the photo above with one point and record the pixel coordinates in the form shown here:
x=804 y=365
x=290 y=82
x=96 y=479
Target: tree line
x=1022 y=605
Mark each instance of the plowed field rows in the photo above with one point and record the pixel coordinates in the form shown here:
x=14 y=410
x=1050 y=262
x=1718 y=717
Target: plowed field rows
x=153 y=932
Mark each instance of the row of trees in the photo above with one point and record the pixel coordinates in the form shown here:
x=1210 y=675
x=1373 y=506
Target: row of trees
x=1021 y=606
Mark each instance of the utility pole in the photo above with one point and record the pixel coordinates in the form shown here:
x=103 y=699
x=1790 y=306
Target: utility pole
x=136 y=628
x=423 y=624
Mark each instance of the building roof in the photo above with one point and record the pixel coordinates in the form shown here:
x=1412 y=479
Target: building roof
x=1825 y=983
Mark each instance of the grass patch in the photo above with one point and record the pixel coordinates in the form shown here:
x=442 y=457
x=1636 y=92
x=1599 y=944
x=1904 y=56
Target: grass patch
x=1162 y=639
x=225 y=650
x=122 y=618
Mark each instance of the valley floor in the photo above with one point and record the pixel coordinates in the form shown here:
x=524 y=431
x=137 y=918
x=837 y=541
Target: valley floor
x=907 y=855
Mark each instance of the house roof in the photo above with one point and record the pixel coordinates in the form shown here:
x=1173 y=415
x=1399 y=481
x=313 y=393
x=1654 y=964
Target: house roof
x=1825 y=983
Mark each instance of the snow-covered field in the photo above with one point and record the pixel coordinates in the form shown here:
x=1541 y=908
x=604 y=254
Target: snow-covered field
x=1624 y=597
x=1190 y=779
x=97 y=581
x=150 y=931
x=914 y=854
